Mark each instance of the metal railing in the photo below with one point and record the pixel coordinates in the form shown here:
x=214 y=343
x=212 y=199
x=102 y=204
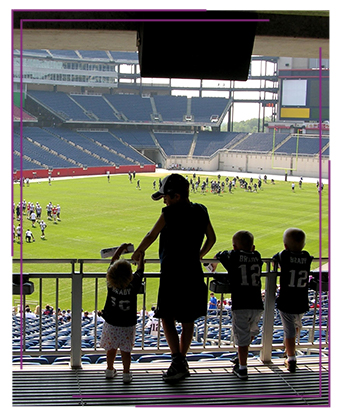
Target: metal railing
x=203 y=339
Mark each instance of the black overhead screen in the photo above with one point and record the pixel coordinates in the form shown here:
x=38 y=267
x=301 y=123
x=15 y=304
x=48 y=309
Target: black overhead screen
x=204 y=49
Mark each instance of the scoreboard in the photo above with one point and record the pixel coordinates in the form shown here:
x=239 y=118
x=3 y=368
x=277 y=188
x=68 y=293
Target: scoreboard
x=299 y=97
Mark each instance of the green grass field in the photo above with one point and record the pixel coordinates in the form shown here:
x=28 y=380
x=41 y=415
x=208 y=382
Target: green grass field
x=96 y=214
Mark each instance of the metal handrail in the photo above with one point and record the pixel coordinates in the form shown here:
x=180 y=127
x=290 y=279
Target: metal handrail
x=77 y=277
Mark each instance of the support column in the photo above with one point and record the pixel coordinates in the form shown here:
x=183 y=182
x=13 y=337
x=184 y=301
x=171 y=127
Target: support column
x=76 y=321
x=268 y=320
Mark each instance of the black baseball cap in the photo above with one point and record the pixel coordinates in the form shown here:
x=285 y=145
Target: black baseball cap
x=174 y=183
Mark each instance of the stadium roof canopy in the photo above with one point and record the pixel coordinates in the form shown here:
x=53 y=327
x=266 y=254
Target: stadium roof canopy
x=295 y=34
x=288 y=33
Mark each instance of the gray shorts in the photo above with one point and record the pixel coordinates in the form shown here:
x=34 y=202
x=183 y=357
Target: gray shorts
x=291 y=322
x=245 y=325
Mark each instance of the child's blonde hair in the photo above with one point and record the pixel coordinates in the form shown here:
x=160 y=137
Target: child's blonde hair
x=119 y=275
x=243 y=240
x=294 y=239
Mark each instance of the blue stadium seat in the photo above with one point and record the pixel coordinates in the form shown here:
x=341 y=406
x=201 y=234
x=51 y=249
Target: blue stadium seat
x=202 y=108
x=171 y=108
x=208 y=143
x=152 y=357
x=31 y=360
x=175 y=143
x=198 y=356
x=61 y=359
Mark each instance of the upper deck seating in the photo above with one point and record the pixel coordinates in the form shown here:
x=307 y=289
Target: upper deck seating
x=202 y=108
x=96 y=105
x=171 y=108
x=61 y=104
x=132 y=106
x=100 y=55
x=67 y=53
x=124 y=56
x=34 y=52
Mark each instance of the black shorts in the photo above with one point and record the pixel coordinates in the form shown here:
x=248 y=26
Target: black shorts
x=183 y=300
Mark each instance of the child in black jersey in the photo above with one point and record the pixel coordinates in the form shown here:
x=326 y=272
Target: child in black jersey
x=120 y=311
x=292 y=301
x=243 y=264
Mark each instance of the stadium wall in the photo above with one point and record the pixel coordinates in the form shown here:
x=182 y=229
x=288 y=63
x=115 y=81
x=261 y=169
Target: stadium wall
x=77 y=172
x=306 y=166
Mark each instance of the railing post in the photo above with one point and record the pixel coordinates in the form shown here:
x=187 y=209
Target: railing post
x=268 y=320
x=76 y=320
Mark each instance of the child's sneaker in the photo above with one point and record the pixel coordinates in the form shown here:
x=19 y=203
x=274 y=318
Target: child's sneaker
x=127 y=378
x=291 y=365
x=240 y=373
x=110 y=373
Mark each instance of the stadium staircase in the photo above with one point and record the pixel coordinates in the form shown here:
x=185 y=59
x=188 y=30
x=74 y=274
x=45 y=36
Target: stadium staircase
x=239 y=141
x=188 y=107
x=115 y=111
x=88 y=113
x=324 y=148
x=106 y=160
x=161 y=150
x=193 y=145
x=155 y=116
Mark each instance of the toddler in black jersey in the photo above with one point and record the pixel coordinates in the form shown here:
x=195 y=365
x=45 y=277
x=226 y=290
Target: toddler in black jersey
x=120 y=311
x=292 y=301
x=243 y=264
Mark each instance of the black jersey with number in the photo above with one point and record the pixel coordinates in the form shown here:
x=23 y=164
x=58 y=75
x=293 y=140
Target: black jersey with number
x=294 y=278
x=121 y=304
x=244 y=272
